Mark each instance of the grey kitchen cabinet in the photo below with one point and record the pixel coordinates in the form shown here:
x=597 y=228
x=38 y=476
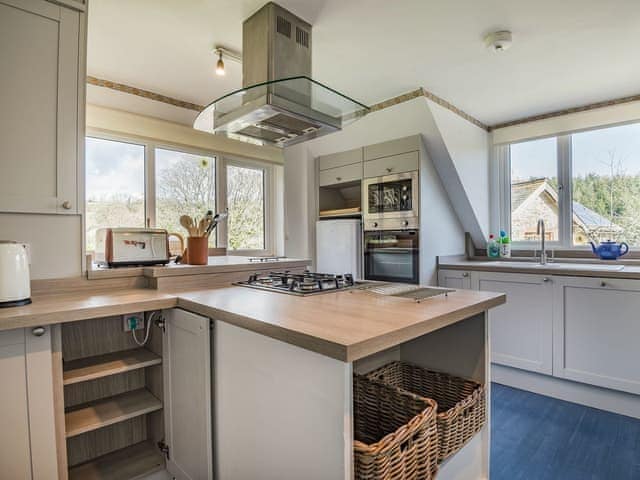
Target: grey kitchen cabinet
x=40 y=50
x=334 y=176
x=340 y=159
x=454 y=279
x=27 y=421
x=521 y=330
x=392 y=147
x=596 y=332
x=405 y=162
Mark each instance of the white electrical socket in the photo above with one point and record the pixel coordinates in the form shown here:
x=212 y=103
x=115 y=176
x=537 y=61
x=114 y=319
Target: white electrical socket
x=133 y=321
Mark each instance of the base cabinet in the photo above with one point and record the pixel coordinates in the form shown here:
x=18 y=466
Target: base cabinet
x=596 y=332
x=27 y=427
x=521 y=330
x=583 y=329
x=454 y=279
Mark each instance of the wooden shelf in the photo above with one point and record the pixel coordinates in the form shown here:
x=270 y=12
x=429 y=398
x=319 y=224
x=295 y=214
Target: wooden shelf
x=100 y=366
x=130 y=463
x=110 y=410
x=341 y=212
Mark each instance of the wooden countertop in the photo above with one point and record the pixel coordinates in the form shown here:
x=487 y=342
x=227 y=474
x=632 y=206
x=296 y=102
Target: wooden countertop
x=571 y=268
x=220 y=264
x=344 y=325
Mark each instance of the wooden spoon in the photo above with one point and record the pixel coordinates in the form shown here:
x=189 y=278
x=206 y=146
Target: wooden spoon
x=187 y=222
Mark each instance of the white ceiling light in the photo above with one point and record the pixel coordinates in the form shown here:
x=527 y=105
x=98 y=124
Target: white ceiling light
x=498 y=41
x=229 y=54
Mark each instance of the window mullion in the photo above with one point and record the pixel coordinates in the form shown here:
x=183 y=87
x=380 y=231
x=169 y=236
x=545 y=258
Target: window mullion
x=565 y=210
x=150 y=185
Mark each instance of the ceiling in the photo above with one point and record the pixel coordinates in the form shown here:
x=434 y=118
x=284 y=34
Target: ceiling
x=565 y=53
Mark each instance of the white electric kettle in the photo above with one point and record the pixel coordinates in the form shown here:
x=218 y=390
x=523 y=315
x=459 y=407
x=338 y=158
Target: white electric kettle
x=15 y=282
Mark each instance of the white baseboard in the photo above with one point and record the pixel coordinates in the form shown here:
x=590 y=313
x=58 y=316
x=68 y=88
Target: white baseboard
x=589 y=395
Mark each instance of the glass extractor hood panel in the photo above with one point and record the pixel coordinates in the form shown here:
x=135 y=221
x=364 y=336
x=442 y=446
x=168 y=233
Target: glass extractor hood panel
x=281 y=112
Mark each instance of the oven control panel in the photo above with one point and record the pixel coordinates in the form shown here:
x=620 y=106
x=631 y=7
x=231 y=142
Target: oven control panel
x=409 y=223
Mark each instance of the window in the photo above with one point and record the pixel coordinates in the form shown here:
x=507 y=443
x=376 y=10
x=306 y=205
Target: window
x=534 y=189
x=606 y=185
x=586 y=187
x=185 y=185
x=138 y=183
x=114 y=186
x=246 y=202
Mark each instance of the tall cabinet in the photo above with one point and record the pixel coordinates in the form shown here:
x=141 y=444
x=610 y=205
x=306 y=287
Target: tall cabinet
x=42 y=51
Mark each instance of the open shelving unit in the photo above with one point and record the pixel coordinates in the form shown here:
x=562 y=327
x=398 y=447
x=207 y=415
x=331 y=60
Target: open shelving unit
x=113 y=394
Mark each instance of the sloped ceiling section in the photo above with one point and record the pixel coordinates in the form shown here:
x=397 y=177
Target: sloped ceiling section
x=459 y=151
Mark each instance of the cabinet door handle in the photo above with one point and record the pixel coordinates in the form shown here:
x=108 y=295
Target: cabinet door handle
x=389 y=169
x=338 y=178
x=603 y=284
x=546 y=279
x=465 y=274
x=66 y=205
x=38 y=331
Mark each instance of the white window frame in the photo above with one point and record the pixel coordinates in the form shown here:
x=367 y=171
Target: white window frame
x=270 y=203
x=502 y=178
x=565 y=212
x=222 y=160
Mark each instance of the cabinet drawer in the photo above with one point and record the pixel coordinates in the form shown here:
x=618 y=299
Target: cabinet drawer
x=407 y=162
x=393 y=147
x=340 y=159
x=348 y=173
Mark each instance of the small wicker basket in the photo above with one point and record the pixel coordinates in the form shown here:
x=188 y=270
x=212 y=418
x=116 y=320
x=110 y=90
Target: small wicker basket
x=396 y=436
x=461 y=402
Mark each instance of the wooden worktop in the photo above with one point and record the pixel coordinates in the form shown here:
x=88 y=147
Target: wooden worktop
x=345 y=325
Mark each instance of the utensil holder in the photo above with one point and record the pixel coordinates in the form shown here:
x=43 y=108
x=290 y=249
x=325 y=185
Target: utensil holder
x=197 y=250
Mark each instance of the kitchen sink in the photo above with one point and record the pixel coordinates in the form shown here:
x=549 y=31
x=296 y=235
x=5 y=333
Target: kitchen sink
x=555 y=266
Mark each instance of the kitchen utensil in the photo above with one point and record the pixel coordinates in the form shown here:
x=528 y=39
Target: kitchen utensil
x=197 y=250
x=15 y=281
x=610 y=250
x=187 y=223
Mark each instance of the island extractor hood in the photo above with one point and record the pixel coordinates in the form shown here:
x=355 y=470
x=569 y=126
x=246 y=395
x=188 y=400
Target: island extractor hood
x=279 y=103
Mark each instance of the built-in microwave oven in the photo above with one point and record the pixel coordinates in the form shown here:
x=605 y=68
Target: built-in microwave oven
x=391 y=202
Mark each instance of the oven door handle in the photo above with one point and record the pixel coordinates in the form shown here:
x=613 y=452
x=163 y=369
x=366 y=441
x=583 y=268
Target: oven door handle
x=392 y=250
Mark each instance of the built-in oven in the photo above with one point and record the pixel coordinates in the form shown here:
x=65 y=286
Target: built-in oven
x=391 y=202
x=392 y=256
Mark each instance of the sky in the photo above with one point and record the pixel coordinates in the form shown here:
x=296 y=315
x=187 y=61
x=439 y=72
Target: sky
x=591 y=149
x=114 y=167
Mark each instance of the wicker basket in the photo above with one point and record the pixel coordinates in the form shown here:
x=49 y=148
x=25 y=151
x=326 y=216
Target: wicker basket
x=396 y=435
x=461 y=402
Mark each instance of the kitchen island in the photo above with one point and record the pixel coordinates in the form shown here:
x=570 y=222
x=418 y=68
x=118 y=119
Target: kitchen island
x=280 y=374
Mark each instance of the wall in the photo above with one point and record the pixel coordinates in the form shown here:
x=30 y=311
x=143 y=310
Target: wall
x=101 y=118
x=443 y=234
x=600 y=117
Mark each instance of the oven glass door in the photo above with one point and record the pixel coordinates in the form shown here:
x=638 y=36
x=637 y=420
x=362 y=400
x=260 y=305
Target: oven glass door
x=392 y=256
x=391 y=196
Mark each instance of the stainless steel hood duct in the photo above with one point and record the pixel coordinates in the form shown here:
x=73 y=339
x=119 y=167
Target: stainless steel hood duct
x=279 y=103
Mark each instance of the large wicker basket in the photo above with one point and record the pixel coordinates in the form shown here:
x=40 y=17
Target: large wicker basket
x=396 y=436
x=461 y=402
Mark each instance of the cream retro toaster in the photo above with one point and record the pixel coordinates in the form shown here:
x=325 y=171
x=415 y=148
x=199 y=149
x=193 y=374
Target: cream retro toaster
x=131 y=246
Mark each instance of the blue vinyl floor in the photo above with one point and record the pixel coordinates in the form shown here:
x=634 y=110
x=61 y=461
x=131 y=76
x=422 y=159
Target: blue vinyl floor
x=540 y=438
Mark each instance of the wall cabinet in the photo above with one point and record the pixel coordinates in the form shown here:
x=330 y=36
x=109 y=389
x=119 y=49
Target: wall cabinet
x=404 y=162
x=339 y=175
x=521 y=330
x=392 y=147
x=27 y=425
x=596 y=332
x=340 y=159
x=454 y=279
x=39 y=127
